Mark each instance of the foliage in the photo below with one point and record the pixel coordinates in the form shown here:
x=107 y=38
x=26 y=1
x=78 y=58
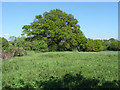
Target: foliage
x=19 y=51
x=40 y=45
x=111 y=39
x=105 y=44
x=12 y=40
x=4 y=43
x=28 y=45
x=98 y=45
x=17 y=41
x=59 y=29
x=90 y=45
x=114 y=45
x=82 y=45
x=12 y=52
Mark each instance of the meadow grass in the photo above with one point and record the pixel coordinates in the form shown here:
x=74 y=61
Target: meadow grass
x=41 y=66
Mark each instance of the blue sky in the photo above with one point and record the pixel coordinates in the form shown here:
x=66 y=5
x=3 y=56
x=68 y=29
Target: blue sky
x=98 y=20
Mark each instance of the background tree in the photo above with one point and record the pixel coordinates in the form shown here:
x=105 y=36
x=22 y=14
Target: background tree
x=17 y=41
x=105 y=44
x=12 y=40
x=98 y=45
x=111 y=39
x=90 y=45
x=4 y=43
x=82 y=44
x=114 y=45
x=94 y=45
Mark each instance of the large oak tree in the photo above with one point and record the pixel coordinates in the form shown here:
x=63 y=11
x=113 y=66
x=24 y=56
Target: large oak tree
x=58 y=29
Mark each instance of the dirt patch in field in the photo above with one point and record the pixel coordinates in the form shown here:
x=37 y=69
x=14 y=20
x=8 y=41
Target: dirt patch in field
x=52 y=56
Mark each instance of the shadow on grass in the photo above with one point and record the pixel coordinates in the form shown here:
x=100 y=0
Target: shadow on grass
x=69 y=81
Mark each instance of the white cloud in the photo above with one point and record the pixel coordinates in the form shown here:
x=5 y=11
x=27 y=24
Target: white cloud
x=97 y=36
x=6 y=34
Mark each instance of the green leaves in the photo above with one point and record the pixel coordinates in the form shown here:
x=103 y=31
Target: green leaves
x=40 y=45
x=57 y=27
x=4 y=43
x=114 y=45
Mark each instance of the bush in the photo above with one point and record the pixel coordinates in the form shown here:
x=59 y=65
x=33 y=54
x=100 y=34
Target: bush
x=27 y=45
x=12 y=52
x=15 y=51
x=94 y=45
x=40 y=45
x=114 y=45
x=4 y=43
x=19 y=52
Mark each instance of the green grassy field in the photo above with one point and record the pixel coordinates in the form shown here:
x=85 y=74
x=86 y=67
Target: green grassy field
x=61 y=69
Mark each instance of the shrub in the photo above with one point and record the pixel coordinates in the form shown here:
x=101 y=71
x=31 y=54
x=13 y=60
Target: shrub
x=114 y=45
x=27 y=45
x=40 y=45
x=15 y=51
x=19 y=52
x=4 y=43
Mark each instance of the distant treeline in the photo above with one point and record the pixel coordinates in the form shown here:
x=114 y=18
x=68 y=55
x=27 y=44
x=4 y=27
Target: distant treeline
x=90 y=45
x=56 y=31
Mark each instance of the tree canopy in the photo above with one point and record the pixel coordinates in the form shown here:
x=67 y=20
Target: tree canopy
x=58 y=29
